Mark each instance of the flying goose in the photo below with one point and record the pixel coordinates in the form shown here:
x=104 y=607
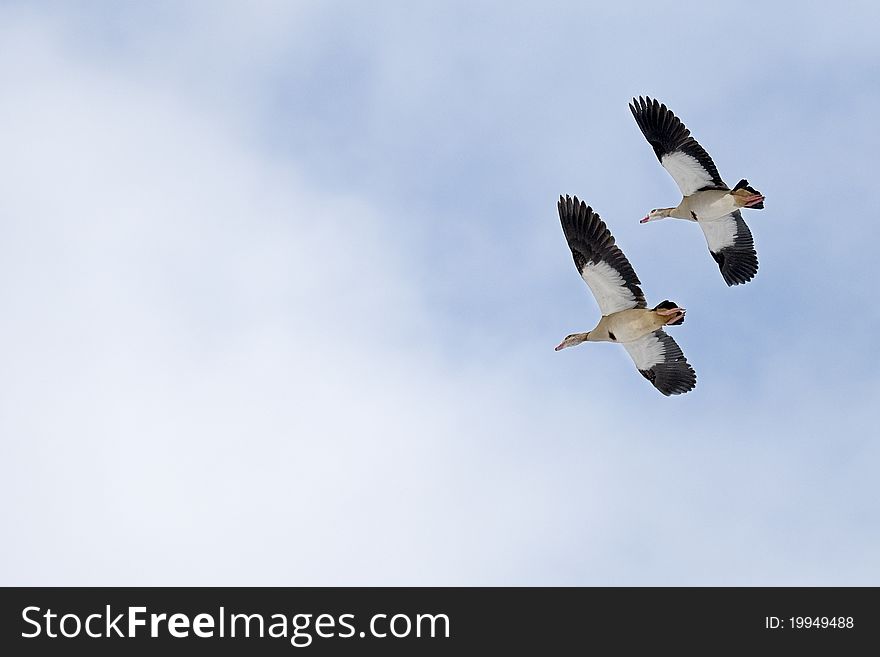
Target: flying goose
x=707 y=200
x=625 y=316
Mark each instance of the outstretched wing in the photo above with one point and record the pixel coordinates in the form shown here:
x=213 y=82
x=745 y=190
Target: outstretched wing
x=660 y=360
x=680 y=154
x=598 y=260
x=731 y=244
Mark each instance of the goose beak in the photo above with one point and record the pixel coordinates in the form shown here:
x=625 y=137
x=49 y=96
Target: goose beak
x=645 y=220
x=560 y=346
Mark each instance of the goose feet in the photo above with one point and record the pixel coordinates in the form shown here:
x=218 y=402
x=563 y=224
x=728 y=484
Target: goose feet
x=674 y=316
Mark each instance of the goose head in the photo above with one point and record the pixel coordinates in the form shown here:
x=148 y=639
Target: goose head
x=660 y=213
x=572 y=340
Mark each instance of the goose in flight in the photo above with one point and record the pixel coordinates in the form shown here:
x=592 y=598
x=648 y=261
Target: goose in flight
x=625 y=316
x=706 y=199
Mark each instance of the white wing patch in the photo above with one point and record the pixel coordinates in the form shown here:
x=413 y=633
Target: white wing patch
x=660 y=360
x=608 y=287
x=646 y=352
x=687 y=172
x=720 y=233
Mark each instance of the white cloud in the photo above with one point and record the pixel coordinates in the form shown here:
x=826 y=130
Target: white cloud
x=218 y=372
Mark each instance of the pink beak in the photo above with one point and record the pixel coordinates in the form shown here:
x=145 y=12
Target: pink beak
x=560 y=346
x=645 y=220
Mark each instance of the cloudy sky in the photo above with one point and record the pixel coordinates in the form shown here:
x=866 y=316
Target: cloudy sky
x=280 y=284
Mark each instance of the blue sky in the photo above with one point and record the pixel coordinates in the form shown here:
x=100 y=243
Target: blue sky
x=281 y=285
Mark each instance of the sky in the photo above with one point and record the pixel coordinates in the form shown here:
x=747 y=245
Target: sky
x=281 y=281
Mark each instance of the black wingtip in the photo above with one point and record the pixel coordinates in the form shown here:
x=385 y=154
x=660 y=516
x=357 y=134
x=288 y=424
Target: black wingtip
x=573 y=204
x=641 y=104
x=566 y=205
x=737 y=273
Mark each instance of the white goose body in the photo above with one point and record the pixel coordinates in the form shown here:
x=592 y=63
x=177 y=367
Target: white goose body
x=627 y=325
x=707 y=205
x=706 y=199
x=626 y=319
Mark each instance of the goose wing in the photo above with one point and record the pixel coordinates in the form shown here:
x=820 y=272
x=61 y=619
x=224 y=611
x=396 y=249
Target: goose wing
x=680 y=154
x=598 y=260
x=660 y=360
x=731 y=244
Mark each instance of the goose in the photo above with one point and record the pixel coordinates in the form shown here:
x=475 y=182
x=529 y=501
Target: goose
x=626 y=318
x=706 y=199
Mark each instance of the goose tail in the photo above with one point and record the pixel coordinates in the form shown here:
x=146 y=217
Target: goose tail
x=747 y=196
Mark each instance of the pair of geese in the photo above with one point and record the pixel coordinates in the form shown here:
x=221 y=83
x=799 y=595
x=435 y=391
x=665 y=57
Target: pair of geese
x=708 y=202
